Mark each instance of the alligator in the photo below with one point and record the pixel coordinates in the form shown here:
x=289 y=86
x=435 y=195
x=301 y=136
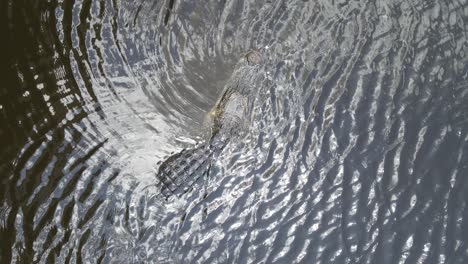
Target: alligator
x=228 y=120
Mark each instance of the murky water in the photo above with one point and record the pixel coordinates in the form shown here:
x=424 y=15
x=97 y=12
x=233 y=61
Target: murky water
x=356 y=151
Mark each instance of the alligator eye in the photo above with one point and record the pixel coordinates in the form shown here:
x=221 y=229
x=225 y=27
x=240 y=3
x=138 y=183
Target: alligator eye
x=254 y=57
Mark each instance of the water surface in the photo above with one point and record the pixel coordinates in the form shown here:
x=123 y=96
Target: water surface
x=356 y=152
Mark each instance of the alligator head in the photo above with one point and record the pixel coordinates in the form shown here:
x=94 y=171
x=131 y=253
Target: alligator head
x=231 y=115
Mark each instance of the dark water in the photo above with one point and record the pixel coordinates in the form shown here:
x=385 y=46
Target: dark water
x=357 y=150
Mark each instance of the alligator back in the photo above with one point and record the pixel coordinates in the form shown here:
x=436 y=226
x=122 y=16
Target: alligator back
x=180 y=171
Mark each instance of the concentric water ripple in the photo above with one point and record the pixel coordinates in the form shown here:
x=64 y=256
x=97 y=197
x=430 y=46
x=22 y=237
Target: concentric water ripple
x=357 y=151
